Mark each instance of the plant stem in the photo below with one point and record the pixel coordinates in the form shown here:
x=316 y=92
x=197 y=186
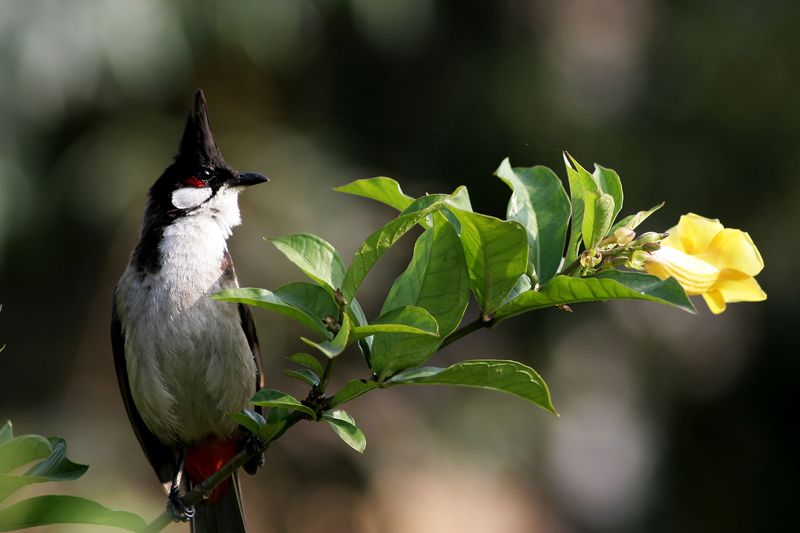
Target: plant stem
x=475 y=325
x=326 y=376
x=568 y=269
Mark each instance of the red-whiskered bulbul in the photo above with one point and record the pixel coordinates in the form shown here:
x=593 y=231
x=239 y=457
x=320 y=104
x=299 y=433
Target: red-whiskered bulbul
x=184 y=360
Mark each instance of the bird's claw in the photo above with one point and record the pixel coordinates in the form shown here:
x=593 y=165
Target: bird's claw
x=255 y=448
x=178 y=510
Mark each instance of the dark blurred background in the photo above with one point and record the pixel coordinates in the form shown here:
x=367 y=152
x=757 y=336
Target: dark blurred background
x=669 y=422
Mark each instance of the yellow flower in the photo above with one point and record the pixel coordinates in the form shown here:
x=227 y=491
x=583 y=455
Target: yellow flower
x=709 y=259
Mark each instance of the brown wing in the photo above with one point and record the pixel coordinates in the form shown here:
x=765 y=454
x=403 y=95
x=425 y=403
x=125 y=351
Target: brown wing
x=249 y=328
x=160 y=456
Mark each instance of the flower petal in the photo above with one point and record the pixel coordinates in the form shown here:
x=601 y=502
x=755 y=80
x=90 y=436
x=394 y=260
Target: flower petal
x=695 y=233
x=715 y=301
x=735 y=288
x=734 y=249
x=694 y=275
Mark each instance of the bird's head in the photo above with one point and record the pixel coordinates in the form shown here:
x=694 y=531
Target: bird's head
x=199 y=179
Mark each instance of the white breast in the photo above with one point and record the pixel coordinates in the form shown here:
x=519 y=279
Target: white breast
x=188 y=359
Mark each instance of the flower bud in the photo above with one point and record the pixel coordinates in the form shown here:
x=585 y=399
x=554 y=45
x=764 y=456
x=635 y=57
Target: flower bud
x=645 y=238
x=338 y=296
x=591 y=258
x=617 y=261
x=638 y=259
x=651 y=246
x=624 y=235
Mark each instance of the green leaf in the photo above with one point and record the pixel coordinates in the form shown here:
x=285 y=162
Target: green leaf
x=255 y=423
x=336 y=346
x=523 y=285
x=277 y=423
x=632 y=221
x=597 y=218
x=497 y=255
x=272 y=431
x=5 y=431
x=352 y=390
x=358 y=318
x=541 y=204
x=269 y=300
x=278 y=414
x=406 y=319
x=304 y=375
x=47 y=510
x=57 y=467
x=311 y=299
x=10 y=484
x=436 y=280
x=382 y=189
x=580 y=184
x=609 y=183
x=22 y=450
x=344 y=426
x=376 y=244
x=413 y=375
x=318 y=259
x=459 y=199
x=510 y=377
x=276 y=398
x=308 y=361
x=611 y=285
x=250 y=420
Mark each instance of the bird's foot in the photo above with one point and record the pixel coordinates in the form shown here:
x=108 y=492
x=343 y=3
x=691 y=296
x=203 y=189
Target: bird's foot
x=176 y=508
x=255 y=448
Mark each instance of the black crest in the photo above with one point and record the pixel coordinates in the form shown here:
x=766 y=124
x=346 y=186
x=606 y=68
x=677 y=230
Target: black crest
x=197 y=144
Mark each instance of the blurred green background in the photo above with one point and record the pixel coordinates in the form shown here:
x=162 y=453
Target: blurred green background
x=669 y=422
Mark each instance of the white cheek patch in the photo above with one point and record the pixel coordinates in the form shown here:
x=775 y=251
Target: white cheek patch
x=190 y=197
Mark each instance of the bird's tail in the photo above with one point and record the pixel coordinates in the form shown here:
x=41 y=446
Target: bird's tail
x=225 y=516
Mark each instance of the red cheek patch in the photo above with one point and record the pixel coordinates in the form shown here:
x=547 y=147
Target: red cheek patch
x=194 y=182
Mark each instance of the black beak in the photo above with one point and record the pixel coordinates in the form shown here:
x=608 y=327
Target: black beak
x=245 y=179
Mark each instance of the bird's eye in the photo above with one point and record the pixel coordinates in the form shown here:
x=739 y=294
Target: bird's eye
x=192 y=181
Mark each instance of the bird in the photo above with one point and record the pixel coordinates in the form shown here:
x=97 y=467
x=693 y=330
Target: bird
x=184 y=360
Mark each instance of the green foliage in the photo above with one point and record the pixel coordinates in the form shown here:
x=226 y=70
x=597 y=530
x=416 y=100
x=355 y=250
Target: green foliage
x=315 y=257
x=406 y=319
x=299 y=310
x=541 y=204
x=510 y=377
x=47 y=510
x=376 y=244
x=255 y=423
x=633 y=221
x=17 y=452
x=344 y=426
x=308 y=361
x=510 y=266
x=597 y=218
x=305 y=375
x=276 y=398
x=334 y=347
x=497 y=256
x=611 y=285
x=436 y=280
